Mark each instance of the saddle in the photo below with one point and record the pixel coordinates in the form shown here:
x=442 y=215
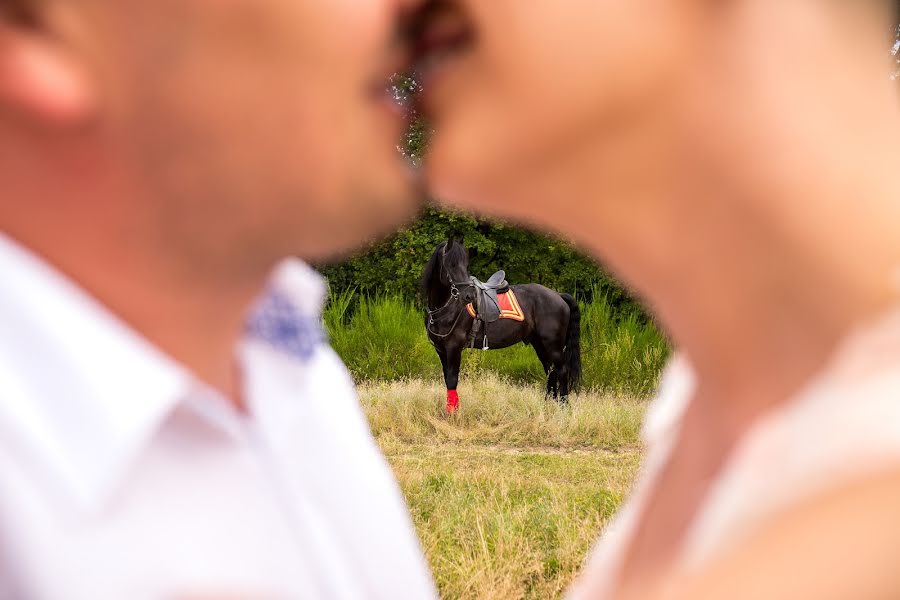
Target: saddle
x=486 y=304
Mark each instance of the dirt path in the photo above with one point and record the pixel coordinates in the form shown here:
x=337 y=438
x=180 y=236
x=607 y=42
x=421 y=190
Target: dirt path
x=418 y=449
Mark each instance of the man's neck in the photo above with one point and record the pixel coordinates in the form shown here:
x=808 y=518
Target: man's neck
x=77 y=208
x=197 y=320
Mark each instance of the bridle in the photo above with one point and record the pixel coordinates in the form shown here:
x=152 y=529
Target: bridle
x=454 y=298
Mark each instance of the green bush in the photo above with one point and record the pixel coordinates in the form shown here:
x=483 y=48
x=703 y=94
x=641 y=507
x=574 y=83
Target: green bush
x=383 y=338
x=394 y=266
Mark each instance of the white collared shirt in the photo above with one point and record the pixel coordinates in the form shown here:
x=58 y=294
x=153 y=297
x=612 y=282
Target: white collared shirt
x=124 y=477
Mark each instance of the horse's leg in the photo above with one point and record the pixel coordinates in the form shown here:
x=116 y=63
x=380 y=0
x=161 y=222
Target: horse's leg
x=442 y=354
x=558 y=370
x=541 y=352
x=451 y=378
x=563 y=371
x=554 y=350
x=551 y=381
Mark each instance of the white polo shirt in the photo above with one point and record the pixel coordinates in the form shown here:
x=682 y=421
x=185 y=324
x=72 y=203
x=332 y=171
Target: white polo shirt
x=124 y=477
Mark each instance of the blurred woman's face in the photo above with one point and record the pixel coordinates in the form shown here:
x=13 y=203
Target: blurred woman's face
x=514 y=87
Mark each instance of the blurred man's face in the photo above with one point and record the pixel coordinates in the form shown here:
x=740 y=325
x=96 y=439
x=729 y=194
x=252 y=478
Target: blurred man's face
x=263 y=124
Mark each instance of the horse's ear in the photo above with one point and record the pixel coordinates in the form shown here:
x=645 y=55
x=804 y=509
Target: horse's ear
x=456 y=236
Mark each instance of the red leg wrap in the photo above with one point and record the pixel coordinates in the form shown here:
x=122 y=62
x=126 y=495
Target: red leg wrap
x=452 y=401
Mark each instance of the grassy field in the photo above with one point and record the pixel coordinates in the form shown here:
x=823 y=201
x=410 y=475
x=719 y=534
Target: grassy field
x=508 y=495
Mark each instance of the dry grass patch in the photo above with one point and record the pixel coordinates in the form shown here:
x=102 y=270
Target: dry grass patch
x=509 y=495
x=494 y=412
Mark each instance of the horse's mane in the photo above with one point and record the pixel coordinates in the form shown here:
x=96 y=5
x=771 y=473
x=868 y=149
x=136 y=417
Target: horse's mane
x=434 y=263
x=456 y=253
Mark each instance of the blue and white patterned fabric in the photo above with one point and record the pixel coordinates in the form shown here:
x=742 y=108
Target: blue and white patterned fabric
x=279 y=322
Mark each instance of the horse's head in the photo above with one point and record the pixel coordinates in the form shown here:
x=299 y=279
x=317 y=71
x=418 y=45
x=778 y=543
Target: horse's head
x=455 y=270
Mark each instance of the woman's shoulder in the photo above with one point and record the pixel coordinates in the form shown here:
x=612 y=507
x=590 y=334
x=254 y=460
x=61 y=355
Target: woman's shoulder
x=854 y=527
x=854 y=402
x=843 y=427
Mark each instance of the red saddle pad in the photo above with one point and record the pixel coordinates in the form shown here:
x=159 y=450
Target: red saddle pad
x=509 y=307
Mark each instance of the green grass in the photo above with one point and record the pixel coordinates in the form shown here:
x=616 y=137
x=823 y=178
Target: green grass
x=509 y=495
x=383 y=339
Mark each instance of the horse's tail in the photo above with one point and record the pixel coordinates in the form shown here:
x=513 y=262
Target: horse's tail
x=573 y=343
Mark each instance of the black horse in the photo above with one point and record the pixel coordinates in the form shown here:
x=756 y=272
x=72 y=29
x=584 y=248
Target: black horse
x=550 y=323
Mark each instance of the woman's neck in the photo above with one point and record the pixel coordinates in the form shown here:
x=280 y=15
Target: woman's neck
x=789 y=220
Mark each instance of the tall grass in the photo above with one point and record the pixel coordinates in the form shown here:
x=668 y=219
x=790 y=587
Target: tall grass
x=383 y=339
x=509 y=494
x=509 y=525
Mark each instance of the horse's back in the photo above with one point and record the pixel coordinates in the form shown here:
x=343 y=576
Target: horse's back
x=537 y=294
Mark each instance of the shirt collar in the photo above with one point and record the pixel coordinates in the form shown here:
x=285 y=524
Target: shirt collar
x=80 y=392
x=302 y=284
x=288 y=316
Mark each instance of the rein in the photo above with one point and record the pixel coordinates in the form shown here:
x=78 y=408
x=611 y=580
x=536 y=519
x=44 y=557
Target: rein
x=454 y=297
x=428 y=326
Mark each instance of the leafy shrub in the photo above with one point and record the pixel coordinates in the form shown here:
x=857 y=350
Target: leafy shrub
x=394 y=266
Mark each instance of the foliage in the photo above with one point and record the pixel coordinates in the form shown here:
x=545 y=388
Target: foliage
x=395 y=265
x=384 y=339
x=404 y=87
